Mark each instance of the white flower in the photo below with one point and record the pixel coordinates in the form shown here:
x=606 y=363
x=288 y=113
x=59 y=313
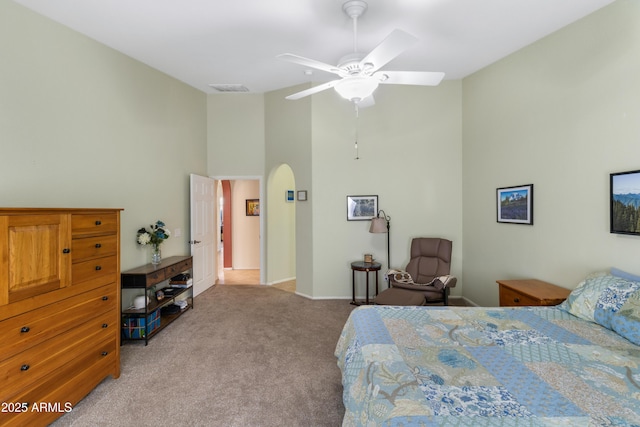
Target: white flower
x=144 y=238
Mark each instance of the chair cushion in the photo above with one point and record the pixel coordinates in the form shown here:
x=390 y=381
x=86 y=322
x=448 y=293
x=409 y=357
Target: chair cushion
x=429 y=257
x=397 y=296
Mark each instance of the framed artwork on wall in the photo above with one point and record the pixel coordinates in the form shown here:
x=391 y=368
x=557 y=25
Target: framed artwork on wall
x=361 y=208
x=302 y=195
x=253 y=207
x=625 y=202
x=289 y=196
x=515 y=204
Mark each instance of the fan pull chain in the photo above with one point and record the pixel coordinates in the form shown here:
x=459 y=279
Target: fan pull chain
x=357 y=116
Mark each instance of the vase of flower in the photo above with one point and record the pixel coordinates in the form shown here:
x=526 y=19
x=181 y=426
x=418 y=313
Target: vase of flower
x=157 y=234
x=156 y=255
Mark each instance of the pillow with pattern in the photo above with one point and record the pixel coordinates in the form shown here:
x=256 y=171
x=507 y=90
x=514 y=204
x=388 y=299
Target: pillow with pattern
x=610 y=301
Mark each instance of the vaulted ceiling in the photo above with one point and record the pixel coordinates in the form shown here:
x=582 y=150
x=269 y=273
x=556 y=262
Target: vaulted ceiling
x=204 y=42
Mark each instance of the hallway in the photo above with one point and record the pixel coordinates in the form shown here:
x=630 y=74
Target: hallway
x=246 y=277
x=235 y=277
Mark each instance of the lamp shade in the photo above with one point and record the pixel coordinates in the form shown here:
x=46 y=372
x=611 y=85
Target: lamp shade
x=378 y=225
x=356 y=88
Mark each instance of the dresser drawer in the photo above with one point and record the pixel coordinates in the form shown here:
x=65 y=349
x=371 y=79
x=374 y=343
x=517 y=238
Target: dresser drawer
x=511 y=298
x=69 y=384
x=33 y=327
x=94 y=247
x=93 y=224
x=172 y=270
x=95 y=268
x=26 y=368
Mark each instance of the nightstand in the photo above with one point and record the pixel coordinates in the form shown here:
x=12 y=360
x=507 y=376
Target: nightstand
x=530 y=292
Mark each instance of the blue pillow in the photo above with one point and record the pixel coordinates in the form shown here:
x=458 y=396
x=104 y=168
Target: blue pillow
x=619 y=273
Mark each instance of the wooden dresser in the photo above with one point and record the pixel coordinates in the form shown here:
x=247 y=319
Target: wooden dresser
x=530 y=292
x=59 y=309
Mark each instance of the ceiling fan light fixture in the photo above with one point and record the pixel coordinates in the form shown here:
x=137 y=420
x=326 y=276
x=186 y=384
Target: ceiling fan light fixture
x=356 y=88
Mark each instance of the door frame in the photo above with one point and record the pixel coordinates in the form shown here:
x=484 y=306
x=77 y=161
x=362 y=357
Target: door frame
x=263 y=213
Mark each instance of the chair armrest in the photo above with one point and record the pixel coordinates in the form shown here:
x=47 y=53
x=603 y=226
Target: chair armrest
x=438 y=283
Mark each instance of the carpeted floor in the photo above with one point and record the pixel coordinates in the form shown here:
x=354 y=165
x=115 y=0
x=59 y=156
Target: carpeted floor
x=245 y=356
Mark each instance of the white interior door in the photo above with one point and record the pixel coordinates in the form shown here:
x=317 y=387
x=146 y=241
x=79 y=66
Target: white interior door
x=203 y=232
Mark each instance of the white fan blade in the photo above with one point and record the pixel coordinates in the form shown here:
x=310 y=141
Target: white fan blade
x=312 y=63
x=313 y=90
x=395 y=43
x=369 y=101
x=418 y=78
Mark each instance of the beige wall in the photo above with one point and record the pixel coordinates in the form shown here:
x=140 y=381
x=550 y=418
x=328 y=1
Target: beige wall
x=288 y=141
x=409 y=156
x=562 y=114
x=246 y=229
x=82 y=125
x=235 y=134
x=282 y=225
x=410 y=148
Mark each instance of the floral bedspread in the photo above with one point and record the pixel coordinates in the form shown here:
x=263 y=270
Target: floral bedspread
x=526 y=366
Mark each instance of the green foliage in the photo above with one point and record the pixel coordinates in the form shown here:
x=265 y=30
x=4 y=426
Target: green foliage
x=625 y=218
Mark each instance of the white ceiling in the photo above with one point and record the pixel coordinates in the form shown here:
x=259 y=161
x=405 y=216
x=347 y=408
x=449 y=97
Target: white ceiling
x=202 y=42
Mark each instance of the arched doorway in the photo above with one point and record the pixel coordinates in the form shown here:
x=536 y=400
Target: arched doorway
x=281 y=228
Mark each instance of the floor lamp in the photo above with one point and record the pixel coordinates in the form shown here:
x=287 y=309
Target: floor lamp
x=382 y=224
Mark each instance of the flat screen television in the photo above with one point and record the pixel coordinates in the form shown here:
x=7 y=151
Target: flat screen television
x=625 y=202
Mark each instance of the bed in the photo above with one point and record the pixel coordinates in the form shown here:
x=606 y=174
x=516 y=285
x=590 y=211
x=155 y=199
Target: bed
x=574 y=364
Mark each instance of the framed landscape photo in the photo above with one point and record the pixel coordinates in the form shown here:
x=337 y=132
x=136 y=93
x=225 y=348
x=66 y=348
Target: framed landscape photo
x=289 y=196
x=625 y=202
x=515 y=204
x=361 y=208
x=253 y=207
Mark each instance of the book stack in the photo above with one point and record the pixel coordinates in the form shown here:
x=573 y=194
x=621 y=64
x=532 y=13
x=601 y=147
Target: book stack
x=181 y=281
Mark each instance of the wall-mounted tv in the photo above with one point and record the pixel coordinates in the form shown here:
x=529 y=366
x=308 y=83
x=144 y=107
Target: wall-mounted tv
x=625 y=202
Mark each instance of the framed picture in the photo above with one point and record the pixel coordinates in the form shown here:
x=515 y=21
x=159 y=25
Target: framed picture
x=515 y=204
x=289 y=196
x=625 y=202
x=253 y=207
x=361 y=208
x=302 y=195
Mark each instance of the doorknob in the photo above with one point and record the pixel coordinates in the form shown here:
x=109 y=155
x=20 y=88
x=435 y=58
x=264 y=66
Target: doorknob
x=194 y=242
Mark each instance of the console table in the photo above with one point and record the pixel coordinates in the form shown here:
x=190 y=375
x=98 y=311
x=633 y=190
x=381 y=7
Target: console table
x=366 y=267
x=144 y=323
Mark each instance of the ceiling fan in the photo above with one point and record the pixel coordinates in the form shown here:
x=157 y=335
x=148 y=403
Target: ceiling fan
x=360 y=74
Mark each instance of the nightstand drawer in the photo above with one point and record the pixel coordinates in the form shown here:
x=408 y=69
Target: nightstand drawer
x=511 y=298
x=525 y=292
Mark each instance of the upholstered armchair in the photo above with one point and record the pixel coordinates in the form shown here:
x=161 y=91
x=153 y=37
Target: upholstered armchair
x=428 y=270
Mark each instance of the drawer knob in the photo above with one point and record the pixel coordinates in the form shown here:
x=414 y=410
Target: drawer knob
x=24 y=367
x=104 y=353
x=98 y=268
x=98 y=222
x=104 y=298
x=105 y=326
x=98 y=245
x=66 y=250
x=25 y=329
x=516 y=300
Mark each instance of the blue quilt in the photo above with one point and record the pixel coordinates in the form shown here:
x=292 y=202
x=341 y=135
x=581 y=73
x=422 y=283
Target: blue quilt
x=525 y=366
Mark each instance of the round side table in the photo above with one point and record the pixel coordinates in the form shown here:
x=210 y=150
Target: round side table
x=366 y=267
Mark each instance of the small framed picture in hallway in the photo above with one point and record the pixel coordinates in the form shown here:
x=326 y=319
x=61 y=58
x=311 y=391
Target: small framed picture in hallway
x=253 y=207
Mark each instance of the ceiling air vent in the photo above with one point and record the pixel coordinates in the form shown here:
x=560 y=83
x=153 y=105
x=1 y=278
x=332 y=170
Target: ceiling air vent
x=229 y=87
